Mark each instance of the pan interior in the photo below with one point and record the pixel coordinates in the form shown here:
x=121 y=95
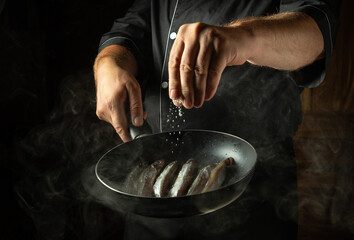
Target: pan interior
x=205 y=147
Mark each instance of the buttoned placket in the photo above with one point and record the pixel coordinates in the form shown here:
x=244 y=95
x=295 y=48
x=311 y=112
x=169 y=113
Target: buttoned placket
x=172 y=34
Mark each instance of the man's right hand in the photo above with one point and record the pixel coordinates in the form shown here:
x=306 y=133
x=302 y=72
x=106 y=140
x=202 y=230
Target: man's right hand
x=116 y=87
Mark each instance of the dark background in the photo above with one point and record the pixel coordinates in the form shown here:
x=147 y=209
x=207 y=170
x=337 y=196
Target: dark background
x=44 y=41
x=49 y=131
x=47 y=49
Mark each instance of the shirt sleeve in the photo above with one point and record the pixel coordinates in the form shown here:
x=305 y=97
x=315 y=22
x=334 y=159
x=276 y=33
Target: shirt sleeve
x=326 y=15
x=133 y=32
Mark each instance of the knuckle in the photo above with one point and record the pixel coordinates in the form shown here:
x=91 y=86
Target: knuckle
x=200 y=71
x=210 y=33
x=183 y=28
x=132 y=85
x=99 y=115
x=109 y=105
x=135 y=106
x=100 y=112
x=135 y=83
x=186 y=68
x=119 y=130
x=173 y=62
x=199 y=27
x=191 y=28
x=219 y=42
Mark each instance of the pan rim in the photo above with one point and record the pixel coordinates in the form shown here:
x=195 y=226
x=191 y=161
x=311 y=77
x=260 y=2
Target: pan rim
x=250 y=171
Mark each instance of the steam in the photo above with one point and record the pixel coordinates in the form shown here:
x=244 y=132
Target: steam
x=54 y=168
x=326 y=174
x=56 y=185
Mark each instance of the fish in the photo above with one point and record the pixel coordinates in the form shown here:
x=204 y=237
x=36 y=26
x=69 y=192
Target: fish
x=201 y=179
x=184 y=179
x=131 y=183
x=164 y=179
x=147 y=178
x=217 y=175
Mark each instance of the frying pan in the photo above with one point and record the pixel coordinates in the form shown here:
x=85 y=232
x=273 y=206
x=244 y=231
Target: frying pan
x=204 y=146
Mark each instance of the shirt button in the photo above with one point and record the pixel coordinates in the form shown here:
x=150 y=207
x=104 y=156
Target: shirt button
x=173 y=35
x=164 y=84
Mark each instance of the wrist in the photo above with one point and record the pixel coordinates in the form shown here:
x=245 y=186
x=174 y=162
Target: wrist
x=245 y=41
x=119 y=56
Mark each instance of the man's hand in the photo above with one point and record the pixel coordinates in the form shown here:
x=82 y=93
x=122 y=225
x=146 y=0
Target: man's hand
x=198 y=57
x=201 y=52
x=117 y=87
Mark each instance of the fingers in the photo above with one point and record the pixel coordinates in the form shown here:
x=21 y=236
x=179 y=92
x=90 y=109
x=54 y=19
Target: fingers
x=173 y=70
x=135 y=104
x=115 y=90
x=120 y=123
x=181 y=70
x=113 y=112
x=201 y=73
x=119 y=119
x=196 y=62
x=216 y=67
x=187 y=74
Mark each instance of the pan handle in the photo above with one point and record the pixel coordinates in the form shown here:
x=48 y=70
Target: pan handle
x=137 y=132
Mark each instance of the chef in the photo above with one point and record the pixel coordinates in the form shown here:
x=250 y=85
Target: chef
x=231 y=66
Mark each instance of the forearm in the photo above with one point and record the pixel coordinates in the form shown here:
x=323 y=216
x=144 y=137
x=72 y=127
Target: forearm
x=286 y=41
x=116 y=55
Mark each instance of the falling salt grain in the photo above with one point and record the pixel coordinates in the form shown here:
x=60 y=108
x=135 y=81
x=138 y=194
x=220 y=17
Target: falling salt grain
x=180 y=112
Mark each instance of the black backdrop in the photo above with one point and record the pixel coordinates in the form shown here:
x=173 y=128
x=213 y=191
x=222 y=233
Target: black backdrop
x=44 y=43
